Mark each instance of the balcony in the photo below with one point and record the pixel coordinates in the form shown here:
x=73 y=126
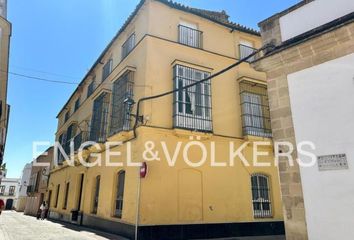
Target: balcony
x=255 y=109
x=245 y=51
x=190 y=36
x=78 y=140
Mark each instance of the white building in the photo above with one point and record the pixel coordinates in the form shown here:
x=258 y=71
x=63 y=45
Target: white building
x=9 y=190
x=24 y=183
x=311 y=92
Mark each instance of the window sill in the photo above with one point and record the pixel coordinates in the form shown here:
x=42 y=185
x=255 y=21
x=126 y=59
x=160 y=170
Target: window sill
x=256 y=138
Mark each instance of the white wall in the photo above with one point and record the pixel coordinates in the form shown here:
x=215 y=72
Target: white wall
x=8 y=182
x=312 y=15
x=322 y=102
x=26 y=174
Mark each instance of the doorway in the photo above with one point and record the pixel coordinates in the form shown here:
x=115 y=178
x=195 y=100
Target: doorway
x=9 y=203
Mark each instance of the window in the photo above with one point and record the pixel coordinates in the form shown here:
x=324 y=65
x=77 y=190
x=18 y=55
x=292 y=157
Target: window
x=12 y=190
x=261 y=196
x=67 y=115
x=37 y=181
x=49 y=199
x=57 y=197
x=122 y=90
x=188 y=34
x=62 y=142
x=2 y=190
x=120 y=195
x=255 y=109
x=192 y=106
x=70 y=133
x=96 y=192
x=66 y=196
x=77 y=104
x=99 y=120
x=91 y=87
x=128 y=46
x=107 y=68
x=246 y=49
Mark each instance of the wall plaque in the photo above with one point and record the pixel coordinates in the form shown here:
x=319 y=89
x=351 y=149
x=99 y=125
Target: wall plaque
x=332 y=162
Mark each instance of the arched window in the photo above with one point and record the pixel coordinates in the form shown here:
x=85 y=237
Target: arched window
x=96 y=192
x=120 y=194
x=261 y=196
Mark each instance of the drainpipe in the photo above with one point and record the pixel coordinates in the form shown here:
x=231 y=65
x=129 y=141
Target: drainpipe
x=137 y=217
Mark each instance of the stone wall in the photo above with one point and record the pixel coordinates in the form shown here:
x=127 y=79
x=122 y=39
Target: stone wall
x=3 y=8
x=331 y=45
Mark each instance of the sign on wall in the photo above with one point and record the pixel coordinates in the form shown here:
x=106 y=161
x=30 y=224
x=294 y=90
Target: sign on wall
x=332 y=162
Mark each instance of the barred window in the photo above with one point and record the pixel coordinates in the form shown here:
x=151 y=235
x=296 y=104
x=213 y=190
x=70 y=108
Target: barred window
x=122 y=90
x=261 y=196
x=96 y=192
x=128 y=46
x=120 y=194
x=107 y=68
x=2 y=190
x=12 y=190
x=62 y=142
x=99 y=120
x=245 y=49
x=192 y=106
x=188 y=34
x=255 y=109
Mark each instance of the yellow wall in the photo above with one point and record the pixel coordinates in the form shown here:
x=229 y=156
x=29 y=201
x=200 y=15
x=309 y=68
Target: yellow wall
x=221 y=194
x=173 y=195
x=5 y=33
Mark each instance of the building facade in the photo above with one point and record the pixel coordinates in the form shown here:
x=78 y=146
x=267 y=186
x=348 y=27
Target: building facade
x=9 y=192
x=310 y=85
x=38 y=182
x=22 y=195
x=146 y=57
x=5 y=33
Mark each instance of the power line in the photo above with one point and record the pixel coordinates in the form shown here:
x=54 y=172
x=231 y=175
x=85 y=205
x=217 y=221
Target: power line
x=39 y=78
x=45 y=72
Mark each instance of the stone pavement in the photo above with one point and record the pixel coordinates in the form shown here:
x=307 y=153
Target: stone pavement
x=16 y=226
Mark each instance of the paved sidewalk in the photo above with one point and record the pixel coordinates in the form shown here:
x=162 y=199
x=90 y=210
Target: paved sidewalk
x=16 y=226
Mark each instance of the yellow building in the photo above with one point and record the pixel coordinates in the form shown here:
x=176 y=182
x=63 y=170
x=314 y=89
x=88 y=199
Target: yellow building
x=161 y=47
x=5 y=33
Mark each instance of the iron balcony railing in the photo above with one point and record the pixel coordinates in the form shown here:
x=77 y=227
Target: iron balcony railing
x=128 y=46
x=192 y=107
x=100 y=118
x=190 y=36
x=255 y=109
x=79 y=139
x=245 y=51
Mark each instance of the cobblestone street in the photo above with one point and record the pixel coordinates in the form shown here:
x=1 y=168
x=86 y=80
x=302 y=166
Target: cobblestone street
x=16 y=226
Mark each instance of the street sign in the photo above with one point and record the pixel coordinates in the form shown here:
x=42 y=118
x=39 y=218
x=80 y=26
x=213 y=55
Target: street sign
x=332 y=162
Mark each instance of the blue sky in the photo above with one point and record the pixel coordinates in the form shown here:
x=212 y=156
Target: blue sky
x=60 y=40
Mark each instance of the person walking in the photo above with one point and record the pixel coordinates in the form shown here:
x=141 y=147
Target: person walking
x=2 y=205
x=43 y=209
